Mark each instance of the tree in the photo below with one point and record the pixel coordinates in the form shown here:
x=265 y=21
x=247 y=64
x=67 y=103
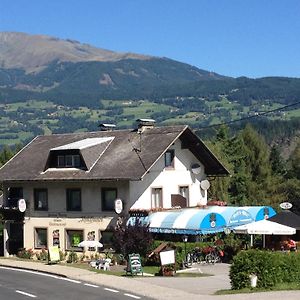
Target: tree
x=276 y=161
x=5 y=155
x=134 y=238
x=294 y=163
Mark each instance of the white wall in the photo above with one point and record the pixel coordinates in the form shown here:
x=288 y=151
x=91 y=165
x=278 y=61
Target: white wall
x=170 y=180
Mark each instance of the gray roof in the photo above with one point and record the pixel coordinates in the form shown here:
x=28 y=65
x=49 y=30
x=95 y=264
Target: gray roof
x=127 y=155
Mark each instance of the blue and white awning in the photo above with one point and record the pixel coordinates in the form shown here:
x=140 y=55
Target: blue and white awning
x=203 y=220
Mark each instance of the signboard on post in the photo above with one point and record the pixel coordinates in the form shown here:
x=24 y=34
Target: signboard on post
x=167 y=257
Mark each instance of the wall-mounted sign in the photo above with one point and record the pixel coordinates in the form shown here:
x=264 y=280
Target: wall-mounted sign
x=118 y=206
x=286 y=205
x=55 y=236
x=22 y=205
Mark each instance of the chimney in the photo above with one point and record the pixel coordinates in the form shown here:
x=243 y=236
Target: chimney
x=144 y=124
x=107 y=127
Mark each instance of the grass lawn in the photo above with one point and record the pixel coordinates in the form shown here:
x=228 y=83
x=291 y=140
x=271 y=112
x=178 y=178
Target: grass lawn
x=278 y=287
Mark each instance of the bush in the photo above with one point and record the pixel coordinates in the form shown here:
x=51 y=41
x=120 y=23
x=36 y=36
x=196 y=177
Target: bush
x=72 y=257
x=42 y=255
x=270 y=268
x=25 y=253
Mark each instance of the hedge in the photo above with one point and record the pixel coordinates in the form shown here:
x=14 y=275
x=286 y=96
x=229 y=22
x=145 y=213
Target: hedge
x=270 y=268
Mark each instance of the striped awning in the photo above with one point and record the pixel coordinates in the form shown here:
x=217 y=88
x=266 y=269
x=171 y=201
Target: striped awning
x=203 y=220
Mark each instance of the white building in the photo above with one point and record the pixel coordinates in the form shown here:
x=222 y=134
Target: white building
x=70 y=182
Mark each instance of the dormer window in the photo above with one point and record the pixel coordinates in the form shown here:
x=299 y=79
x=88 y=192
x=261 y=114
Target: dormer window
x=82 y=154
x=66 y=159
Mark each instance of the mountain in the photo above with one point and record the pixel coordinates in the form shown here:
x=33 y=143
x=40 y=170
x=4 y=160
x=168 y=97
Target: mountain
x=67 y=72
x=49 y=85
x=34 y=52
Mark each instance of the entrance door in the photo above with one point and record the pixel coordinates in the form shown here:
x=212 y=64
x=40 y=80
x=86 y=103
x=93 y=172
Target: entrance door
x=15 y=237
x=1 y=240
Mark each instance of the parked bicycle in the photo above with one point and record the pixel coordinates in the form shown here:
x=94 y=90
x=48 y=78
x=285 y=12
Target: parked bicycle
x=195 y=256
x=214 y=256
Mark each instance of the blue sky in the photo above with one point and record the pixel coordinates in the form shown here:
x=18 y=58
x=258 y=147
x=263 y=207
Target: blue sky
x=253 y=38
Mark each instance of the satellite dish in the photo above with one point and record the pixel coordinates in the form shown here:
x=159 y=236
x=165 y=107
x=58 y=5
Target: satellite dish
x=196 y=169
x=204 y=184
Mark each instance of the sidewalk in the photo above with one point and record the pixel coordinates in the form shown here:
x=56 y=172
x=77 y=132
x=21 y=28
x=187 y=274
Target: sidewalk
x=161 y=288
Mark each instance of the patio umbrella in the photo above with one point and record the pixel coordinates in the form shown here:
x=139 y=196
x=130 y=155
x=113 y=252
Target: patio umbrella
x=264 y=227
x=90 y=244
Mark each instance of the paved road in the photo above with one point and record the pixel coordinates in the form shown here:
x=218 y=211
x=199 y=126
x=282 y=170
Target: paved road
x=161 y=288
x=22 y=284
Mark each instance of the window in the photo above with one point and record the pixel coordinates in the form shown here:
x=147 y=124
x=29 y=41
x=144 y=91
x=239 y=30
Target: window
x=73 y=199
x=74 y=237
x=108 y=195
x=40 y=238
x=40 y=199
x=169 y=159
x=106 y=238
x=184 y=192
x=156 y=198
x=14 y=195
x=68 y=161
x=60 y=161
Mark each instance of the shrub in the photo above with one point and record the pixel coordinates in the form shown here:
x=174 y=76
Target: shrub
x=42 y=255
x=25 y=253
x=271 y=268
x=72 y=257
x=134 y=238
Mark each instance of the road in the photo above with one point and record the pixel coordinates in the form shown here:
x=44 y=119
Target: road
x=18 y=284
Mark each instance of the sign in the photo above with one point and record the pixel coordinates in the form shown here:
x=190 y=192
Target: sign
x=134 y=264
x=118 y=206
x=53 y=253
x=286 y=205
x=167 y=257
x=22 y=205
x=55 y=236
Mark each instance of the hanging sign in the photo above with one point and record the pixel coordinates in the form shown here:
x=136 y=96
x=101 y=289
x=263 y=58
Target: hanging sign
x=118 y=206
x=286 y=205
x=22 y=205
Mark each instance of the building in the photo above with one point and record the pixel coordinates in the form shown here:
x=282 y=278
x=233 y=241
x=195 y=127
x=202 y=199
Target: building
x=70 y=182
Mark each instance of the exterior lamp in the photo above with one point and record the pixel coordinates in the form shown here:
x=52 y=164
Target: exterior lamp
x=185 y=239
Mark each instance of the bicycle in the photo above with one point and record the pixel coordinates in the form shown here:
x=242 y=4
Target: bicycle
x=214 y=256
x=195 y=256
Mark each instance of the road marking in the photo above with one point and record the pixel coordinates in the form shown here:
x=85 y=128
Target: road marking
x=91 y=285
x=70 y=280
x=111 y=290
x=25 y=294
x=132 y=296
x=31 y=272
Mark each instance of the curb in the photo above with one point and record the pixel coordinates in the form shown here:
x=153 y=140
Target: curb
x=34 y=270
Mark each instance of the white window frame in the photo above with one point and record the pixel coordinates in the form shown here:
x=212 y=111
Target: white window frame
x=157 y=197
x=185 y=194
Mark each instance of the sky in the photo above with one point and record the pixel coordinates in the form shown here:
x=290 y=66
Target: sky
x=253 y=38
